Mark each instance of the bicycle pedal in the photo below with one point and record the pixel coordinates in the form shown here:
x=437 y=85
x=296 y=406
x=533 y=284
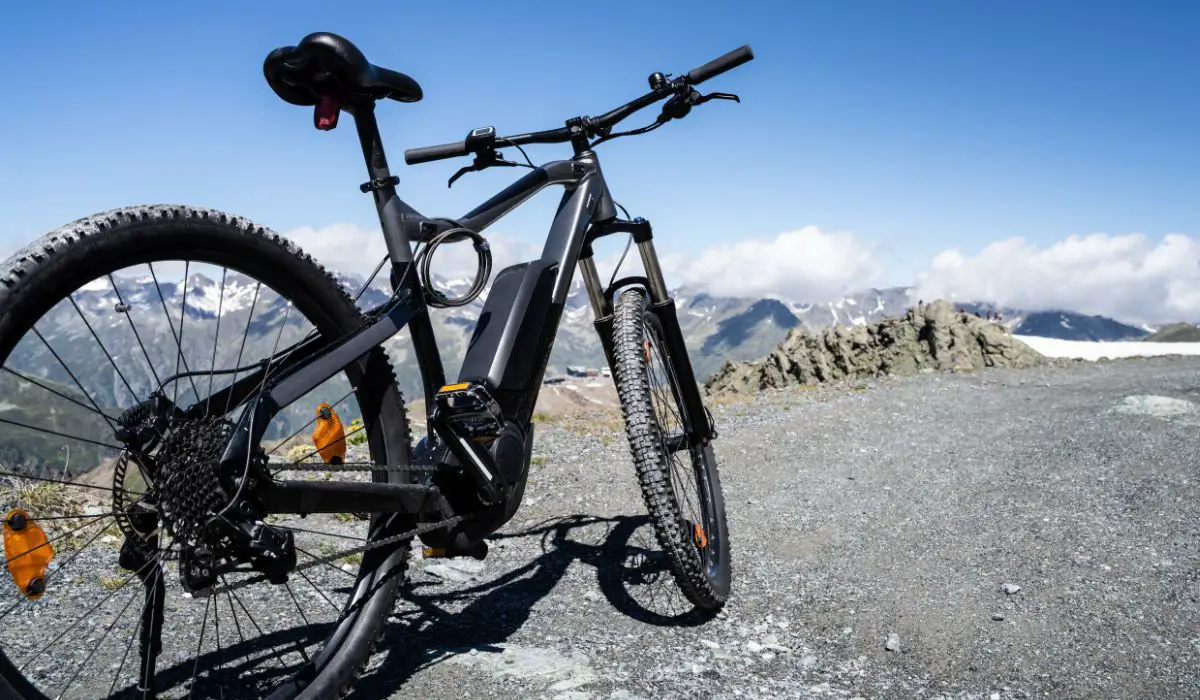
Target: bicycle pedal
x=470 y=411
x=478 y=551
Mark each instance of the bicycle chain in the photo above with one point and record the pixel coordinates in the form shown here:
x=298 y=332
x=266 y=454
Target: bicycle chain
x=344 y=467
x=330 y=558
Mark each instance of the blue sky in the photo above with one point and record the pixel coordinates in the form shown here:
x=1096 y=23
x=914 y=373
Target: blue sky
x=915 y=126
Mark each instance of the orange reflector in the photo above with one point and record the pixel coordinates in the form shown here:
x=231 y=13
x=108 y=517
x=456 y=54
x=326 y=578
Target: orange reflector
x=701 y=536
x=433 y=553
x=454 y=387
x=328 y=437
x=28 y=552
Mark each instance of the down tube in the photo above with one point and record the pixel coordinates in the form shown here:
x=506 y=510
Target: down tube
x=567 y=235
x=512 y=344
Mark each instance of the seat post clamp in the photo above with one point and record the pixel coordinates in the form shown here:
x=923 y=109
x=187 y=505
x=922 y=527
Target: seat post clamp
x=379 y=183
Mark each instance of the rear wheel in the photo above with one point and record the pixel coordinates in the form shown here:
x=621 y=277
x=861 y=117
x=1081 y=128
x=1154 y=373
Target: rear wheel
x=95 y=316
x=677 y=472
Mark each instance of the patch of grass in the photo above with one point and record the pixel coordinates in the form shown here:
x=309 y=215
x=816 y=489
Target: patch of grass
x=543 y=417
x=344 y=517
x=111 y=583
x=356 y=435
x=302 y=453
x=352 y=559
x=727 y=399
x=538 y=460
x=42 y=498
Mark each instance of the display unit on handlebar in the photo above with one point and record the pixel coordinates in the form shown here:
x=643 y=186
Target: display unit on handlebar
x=464 y=479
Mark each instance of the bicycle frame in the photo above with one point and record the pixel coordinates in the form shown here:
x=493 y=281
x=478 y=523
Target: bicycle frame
x=508 y=358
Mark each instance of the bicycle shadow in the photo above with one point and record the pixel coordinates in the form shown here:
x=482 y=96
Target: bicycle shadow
x=627 y=574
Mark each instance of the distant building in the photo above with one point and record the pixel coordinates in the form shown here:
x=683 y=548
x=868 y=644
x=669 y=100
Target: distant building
x=606 y=371
x=592 y=372
x=576 y=371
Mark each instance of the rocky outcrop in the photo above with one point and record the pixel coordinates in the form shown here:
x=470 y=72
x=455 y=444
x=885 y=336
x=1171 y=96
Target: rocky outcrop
x=934 y=336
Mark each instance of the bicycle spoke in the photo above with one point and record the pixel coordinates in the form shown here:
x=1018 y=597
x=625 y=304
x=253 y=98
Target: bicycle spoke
x=171 y=325
x=330 y=564
x=50 y=542
x=307 y=425
x=16 y=475
x=319 y=591
x=125 y=657
x=129 y=317
x=216 y=337
x=318 y=532
x=217 y=639
x=299 y=608
x=314 y=452
x=54 y=391
x=182 y=318
x=107 y=631
x=199 y=647
x=62 y=435
x=50 y=574
x=103 y=349
x=89 y=612
x=245 y=335
x=75 y=379
x=250 y=617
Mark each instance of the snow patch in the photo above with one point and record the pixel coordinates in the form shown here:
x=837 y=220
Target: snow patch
x=1092 y=350
x=1157 y=406
x=99 y=284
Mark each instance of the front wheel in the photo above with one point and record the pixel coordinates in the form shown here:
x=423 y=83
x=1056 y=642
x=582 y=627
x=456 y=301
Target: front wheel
x=677 y=471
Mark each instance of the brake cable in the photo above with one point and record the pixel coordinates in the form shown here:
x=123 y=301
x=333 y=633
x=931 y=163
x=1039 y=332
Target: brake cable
x=677 y=107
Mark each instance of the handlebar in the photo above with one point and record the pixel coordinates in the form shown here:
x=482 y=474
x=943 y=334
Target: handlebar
x=427 y=154
x=715 y=67
x=661 y=89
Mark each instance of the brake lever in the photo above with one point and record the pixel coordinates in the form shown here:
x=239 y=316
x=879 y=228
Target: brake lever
x=717 y=96
x=681 y=104
x=483 y=160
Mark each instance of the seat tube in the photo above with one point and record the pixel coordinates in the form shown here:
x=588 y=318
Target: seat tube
x=383 y=186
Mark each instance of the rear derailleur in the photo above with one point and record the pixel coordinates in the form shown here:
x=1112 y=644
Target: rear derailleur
x=219 y=525
x=227 y=545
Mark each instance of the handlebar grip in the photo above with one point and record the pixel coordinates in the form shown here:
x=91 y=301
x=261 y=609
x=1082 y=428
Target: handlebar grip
x=426 y=154
x=729 y=61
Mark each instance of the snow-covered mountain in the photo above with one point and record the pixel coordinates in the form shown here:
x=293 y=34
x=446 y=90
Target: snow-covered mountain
x=234 y=322
x=716 y=328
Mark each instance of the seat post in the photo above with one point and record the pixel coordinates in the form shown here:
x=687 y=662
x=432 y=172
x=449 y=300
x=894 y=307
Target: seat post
x=382 y=185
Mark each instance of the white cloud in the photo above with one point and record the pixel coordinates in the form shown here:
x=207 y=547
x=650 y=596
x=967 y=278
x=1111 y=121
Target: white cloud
x=804 y=264
x=1131 y=277
x=1128 y=277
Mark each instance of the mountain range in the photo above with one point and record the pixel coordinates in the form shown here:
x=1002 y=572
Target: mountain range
x=716 y=329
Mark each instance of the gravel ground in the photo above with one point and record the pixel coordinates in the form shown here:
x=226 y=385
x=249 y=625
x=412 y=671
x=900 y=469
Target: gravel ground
x=1002 y=534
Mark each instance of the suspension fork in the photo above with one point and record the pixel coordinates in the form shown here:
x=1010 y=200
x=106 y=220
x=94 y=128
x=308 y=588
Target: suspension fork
x=699 y=426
